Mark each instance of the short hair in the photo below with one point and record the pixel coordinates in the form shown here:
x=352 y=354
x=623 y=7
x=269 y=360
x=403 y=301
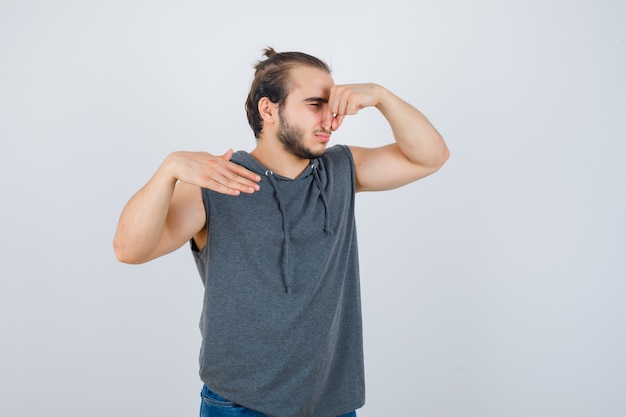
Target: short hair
x=271 y=80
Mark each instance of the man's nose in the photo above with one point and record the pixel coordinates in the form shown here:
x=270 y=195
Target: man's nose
x=327 y=120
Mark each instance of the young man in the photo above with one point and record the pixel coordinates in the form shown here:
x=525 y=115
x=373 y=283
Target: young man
x=273 y=235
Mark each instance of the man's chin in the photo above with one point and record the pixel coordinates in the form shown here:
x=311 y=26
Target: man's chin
x=308 y=153
x=317 y=153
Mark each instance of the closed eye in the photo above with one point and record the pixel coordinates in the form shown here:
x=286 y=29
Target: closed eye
x=316 y=101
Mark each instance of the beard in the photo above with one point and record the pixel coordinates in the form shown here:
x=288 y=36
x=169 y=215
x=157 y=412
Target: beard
x=291 y=138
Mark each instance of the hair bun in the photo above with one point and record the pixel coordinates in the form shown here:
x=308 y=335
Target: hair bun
x=269 y=52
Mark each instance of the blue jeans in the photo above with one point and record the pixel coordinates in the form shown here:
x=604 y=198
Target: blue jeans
x=215 y=406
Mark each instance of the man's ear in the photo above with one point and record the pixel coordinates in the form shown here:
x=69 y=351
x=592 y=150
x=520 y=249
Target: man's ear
x=268 y=111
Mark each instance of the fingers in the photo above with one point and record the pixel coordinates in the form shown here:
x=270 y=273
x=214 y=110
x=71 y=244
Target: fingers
x=229 y=178
x=231 y=182
x=332 y=121
x=337 y=121
x=345 y=100
x=216 y=173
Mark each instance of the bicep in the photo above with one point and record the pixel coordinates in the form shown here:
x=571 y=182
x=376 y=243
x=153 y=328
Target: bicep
x=385 y=168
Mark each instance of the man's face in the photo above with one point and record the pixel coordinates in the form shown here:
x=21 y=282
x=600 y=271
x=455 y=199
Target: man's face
x=301 y=116
x=292 y=138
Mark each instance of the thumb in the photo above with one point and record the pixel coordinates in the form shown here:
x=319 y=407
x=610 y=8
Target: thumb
x=228 y=155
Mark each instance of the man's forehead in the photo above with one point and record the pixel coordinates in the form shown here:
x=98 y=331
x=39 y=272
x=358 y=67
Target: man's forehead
x=311 y=81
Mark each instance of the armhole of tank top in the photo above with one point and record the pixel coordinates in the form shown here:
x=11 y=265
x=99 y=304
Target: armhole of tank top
x=347 y=150
x=192 y=241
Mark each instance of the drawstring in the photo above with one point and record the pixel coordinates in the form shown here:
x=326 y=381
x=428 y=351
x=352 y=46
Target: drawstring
x=318 y=182
x=286 y=242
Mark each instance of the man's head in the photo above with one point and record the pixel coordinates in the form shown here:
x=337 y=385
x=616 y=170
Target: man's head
x=272 y=80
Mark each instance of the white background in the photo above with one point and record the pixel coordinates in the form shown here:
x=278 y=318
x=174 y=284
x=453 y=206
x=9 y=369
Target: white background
x=494 y=288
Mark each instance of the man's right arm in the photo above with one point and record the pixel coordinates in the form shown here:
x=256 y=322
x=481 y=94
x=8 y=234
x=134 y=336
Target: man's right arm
x=168 y=211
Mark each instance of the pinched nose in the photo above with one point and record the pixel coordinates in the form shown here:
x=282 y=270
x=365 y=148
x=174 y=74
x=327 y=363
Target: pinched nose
x=327 y=123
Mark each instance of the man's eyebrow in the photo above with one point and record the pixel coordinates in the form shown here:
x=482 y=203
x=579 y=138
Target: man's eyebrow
x=316 y=100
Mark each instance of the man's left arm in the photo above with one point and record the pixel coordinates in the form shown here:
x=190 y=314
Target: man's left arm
x=418 y=150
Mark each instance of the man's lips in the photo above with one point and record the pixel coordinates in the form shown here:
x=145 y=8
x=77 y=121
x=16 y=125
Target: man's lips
x=323 y=136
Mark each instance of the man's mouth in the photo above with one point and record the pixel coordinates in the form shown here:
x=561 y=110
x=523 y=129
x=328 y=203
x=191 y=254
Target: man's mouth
x=323 y=135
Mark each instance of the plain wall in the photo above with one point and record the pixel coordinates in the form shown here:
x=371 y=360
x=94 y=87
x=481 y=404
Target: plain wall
x=493 y=288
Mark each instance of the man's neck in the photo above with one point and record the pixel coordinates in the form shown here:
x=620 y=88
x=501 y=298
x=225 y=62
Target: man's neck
x=275 y=158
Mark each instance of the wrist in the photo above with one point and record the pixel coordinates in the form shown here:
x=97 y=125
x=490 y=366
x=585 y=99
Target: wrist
x=168 y=170
x=384 y=97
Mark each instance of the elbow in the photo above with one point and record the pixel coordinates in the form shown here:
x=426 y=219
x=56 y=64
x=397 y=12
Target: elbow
x=440 y=157
x=125 y=259
x=444 y=155
x=123 y=255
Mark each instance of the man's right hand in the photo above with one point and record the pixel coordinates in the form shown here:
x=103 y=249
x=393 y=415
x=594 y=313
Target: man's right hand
x=216 y=173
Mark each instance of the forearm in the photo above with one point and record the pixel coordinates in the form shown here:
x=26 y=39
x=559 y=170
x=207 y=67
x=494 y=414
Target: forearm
x=142 y=221
x=415 y=136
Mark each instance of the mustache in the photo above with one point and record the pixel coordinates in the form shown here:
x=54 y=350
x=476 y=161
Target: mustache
x=326 y=132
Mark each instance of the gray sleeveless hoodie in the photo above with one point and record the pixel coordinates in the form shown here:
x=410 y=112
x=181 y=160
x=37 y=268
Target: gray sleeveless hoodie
x=281 y=321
